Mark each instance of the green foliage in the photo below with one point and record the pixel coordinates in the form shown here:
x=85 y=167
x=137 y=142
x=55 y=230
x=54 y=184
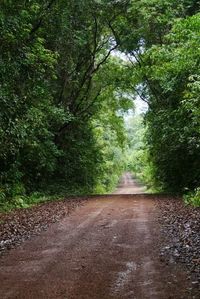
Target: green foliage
x=193 y=198
x=164 y=56
x=174 y=122
x=63 y=95
x=137 y=155
x=27 y=111
x=23 y=202
x=57 y=80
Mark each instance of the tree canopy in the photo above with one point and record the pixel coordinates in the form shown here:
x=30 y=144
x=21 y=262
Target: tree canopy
x=64 y=89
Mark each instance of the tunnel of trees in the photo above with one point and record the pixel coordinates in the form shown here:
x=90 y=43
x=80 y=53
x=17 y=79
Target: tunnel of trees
x=71 y=69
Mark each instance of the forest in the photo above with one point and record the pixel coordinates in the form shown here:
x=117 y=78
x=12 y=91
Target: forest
x=70 y=72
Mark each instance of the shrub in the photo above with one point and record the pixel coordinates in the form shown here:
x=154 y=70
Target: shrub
x=193 y=197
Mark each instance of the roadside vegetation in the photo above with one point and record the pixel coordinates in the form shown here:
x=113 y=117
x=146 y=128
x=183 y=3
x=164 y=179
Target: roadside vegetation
x=64 y=90
x=137 y=155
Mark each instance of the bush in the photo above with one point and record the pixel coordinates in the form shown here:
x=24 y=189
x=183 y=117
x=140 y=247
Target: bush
x=193 y=197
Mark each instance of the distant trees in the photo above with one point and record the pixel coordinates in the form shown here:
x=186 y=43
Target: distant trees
x=137 y=155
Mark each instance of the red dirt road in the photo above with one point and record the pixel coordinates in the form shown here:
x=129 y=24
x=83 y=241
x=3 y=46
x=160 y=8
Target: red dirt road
x=109 y=248
x=128 y=185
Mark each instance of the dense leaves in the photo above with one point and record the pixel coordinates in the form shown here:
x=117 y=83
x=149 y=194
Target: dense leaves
x=164 y=60
x=174 y=127
x=54 y=92
x=64 y=89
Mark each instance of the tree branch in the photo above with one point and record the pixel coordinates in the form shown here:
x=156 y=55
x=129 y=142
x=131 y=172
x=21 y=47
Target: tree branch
x=139 y=61
x=104 y=59
x=91 y=103
x=39 y=23
x=140 y=95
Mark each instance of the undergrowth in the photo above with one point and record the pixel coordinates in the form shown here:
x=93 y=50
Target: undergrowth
x=193 y=198
x=54 y=192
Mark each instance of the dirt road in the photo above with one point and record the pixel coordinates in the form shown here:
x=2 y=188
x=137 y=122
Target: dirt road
x=109 y=248
x=129 y=185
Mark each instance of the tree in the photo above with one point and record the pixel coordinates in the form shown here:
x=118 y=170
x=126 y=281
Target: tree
x=53 y=90
x=159 y=39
